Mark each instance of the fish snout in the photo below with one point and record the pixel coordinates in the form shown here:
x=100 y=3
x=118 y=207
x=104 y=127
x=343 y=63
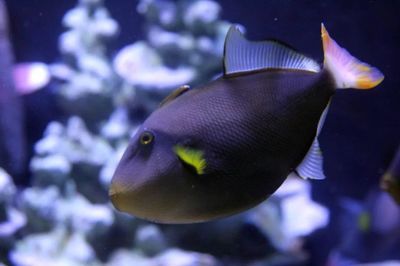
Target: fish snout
x=114 y=194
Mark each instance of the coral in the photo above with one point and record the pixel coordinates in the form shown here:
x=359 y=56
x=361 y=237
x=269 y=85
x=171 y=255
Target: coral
x=150 y=240
x=87 y=74
x=139 y=64
x=49 y=206
x=289 y=215
x=184 y=45
x=172 y=257
x=185 y=39
x=59 y=247
x=189 y=34
x=71 y=152
x=11 y=219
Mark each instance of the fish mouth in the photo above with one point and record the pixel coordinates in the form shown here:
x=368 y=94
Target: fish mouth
x=114 y=195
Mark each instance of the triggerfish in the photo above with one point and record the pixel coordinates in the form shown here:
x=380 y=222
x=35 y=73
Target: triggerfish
x=226 y=146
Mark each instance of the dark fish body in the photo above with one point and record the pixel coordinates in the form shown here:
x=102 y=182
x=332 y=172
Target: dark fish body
x=224 y=147
x=230 y=120
x=248 y=146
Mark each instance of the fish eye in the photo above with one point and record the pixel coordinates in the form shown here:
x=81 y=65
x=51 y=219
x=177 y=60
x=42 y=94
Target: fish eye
x=146 y=138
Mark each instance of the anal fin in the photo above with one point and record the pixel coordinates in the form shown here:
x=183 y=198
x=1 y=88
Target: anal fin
x=312 y=164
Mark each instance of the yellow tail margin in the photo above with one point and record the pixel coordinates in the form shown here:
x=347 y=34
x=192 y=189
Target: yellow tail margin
x=347 y=71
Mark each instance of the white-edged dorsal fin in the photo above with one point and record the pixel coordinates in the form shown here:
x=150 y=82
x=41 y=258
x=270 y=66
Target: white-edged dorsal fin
x=241 y=55
x=312 y=164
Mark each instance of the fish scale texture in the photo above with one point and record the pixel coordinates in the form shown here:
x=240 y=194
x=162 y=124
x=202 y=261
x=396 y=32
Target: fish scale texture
x=254 y=129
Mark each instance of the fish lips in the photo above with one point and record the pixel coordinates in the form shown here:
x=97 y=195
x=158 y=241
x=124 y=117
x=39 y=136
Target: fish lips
x=127 y=191
x=151 y=195
x=114 y=194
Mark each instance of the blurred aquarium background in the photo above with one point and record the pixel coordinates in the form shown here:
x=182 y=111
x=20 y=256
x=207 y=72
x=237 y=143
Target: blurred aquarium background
x=78 y=77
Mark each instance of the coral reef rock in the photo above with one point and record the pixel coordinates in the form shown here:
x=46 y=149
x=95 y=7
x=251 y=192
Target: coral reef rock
x=171 y=257
x=86 y=73
x=150 y=240
x=11 y=219
x=56 y=248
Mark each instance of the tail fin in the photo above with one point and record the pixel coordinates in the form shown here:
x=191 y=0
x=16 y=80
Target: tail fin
x=348 y=71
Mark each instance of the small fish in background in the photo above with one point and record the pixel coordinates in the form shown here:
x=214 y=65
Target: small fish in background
x=225 y=147
x=390 y=181
x=30 y=77
x=366 y=216
x=368 y=230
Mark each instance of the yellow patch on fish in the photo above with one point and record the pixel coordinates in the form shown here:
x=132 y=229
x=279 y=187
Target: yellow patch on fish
x=364 y=221
x=192 y=157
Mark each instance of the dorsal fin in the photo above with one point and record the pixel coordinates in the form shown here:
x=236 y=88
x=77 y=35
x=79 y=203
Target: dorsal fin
x=241 y=55
x=175 y=94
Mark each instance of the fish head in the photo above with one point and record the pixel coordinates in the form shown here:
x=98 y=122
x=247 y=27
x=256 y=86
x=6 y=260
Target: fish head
x=173 y=171
x=150 y=181
x=141 y=183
